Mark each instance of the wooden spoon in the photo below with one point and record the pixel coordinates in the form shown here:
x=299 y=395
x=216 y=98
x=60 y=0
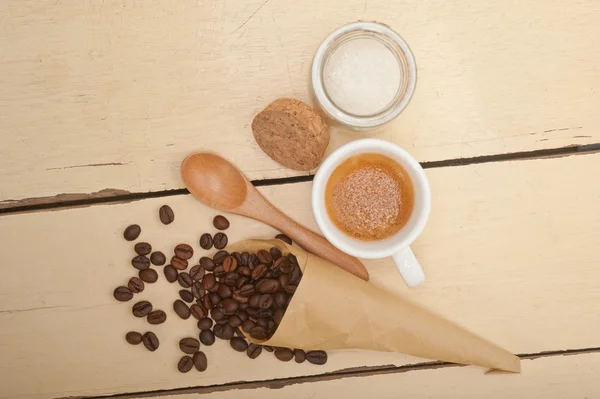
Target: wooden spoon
x=217 y=183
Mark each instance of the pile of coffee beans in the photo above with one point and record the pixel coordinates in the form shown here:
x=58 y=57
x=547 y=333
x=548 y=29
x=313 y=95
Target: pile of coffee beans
x=227 y=293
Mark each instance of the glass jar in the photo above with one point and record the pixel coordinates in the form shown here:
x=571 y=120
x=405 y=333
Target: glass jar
x=363 y=75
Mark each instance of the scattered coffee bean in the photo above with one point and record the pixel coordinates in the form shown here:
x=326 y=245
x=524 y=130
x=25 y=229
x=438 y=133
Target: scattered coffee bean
x=198 y=311
x=200 y=361
x=184 y=251
x=207 y=337
x=185 y=280
x=234 y=321
x=205 y=323
x=197 y=272
x=186 y=296
x=253 y=351
x=230 y=264
x=259 y=271
x=275 y=253
x=281 y=299
x=230 y=306
x=150 y=341
x=135 y=285
x=148 y=275
x=189 y=345
x=178 y=263
x=170 y=273
x=217 y=314
x=141 y=309
x=157 y=317
x=299 y=355
x=290 y=289
x=140 y=262
x=230 y=278
x=133 y=337
x=316 y=357
x=268 y=348
x=224 y=291
x=227 y=332
x=142 y=248
x=122 y=294
x=208 y=281
x=132 y=232
x=166 y=215
x=258 y=332
x=185 y=364
x=238 y=344
x=220 y=222
x=264 y=257
x=197 y=290
x=206 y=241
x=268 y=286
x=220 y=240
x=219 y=256
x=158 y=258
x=284 y=238
x=278 y=315
x=181 y=309
x=284 y=354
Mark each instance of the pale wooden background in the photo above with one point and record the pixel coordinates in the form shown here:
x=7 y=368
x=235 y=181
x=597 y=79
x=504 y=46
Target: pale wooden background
x=99 y=98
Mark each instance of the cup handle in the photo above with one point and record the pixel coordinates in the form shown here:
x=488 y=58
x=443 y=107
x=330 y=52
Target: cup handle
x=409 y=267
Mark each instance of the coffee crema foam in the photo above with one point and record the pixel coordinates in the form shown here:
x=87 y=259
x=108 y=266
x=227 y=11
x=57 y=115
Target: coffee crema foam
x=369 y=197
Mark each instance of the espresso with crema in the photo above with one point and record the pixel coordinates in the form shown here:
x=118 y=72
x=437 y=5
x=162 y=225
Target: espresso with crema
x=369 y=197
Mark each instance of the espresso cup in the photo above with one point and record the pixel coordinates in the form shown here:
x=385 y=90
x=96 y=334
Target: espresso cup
x=397 y=245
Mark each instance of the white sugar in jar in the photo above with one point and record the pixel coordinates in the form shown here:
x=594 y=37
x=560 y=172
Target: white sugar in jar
x=363 y=75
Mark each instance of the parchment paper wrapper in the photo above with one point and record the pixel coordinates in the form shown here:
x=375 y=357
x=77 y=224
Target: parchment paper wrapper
x=332 y=309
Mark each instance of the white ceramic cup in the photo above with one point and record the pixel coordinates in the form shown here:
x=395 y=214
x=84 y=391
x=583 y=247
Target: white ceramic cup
x=396 y=246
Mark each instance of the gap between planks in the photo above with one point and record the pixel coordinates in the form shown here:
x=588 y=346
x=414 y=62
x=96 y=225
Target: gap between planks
x=108 y=196
x=335 y=375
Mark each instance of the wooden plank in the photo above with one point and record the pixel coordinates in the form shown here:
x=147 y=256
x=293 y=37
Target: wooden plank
x=509 y=253
x=548 y=377
x=111 y=95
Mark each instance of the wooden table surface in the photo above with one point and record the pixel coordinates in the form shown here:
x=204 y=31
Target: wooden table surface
x=100 y=100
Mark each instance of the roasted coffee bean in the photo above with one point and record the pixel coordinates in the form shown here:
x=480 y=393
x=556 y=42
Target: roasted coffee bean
x=242 y=281
x=207 y=263
x=189 y=345
x=140 y=262
x=284 y=238
x=206 y=241
x=244 y=258
x=253 y=351
x=132 y=232
x=142 y=248
x=185 y=364
x=265 y=301
x=122 y=294
x=181 y=309
x=258 y=332
x=197 y=272
x=219 y=271
x=133 y=337
x=268 y=286
x=198 y=311
x=207 y=337
x=266 y=313
x=275 y=253
x=295 y=276
x=178 y=263
x=166 y=214
x=238 y=258
x=148 y=276
x=224 y=291
x=281 y=264
x=259 y=271
x=244 y=271
x=158 y=258
x=217 y=314
x=227 y=332
x=220 y=222
x=253 y=260
x=170 y=273
x=220 y=240
x=253 y=300
x=219 y=256
x=299 y=355
x=284 y=354
x=284 y=280
x=206 y=302
x=205 y=323
x=238 y=332
x=186 y=296
x=316 y=357
x=150 y=341
x=252 y=312
x=278 y=315
x=238 y=344
x=281 y=299
x=197 y=290
x=230 y=264
x=247 y=325
x=246 y=290
x=263 y=322
x=141 y=309
x=240 y=298
x=214 y=288
x=208 y=281
x=269 y=274
x=264 y=257
x=184 y=251
x=215 y=299
x=230 y=278
x=242 y=315
x=290 y=289
x=157 y=317
x=200 y=361
x=230 y=306
x=268 y=348
x=235 y=321
x=185 y=280
x=135 y=285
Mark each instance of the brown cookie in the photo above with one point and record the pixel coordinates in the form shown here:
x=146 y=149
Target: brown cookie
x=292 y=133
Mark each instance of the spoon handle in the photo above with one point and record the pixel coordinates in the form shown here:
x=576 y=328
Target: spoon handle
x=312 y=242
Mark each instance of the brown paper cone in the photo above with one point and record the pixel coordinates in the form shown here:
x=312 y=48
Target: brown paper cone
x=332 y=309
